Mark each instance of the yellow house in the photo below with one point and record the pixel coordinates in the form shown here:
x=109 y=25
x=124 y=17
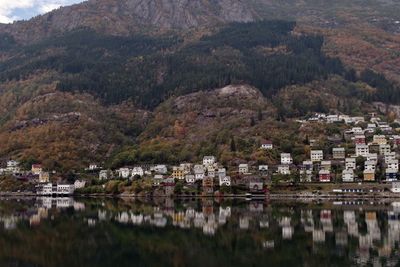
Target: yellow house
x=44 y=177
x=369 y=175
x=36 y=169
x=178 y=173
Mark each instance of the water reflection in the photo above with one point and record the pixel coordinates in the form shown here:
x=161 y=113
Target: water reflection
x=250 y=233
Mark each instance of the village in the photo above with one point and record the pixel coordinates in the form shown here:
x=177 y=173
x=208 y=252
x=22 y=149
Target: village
x=366 y=152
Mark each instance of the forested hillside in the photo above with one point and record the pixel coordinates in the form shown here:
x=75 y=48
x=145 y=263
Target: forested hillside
x=82 y=94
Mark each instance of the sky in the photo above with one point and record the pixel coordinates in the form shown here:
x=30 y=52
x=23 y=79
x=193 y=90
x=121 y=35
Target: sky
x=12 y=10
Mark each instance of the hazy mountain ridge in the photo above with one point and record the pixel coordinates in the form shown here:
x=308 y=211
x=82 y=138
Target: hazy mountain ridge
x=124 y=17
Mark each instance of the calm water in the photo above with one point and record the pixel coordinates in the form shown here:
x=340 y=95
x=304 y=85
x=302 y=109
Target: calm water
x=98 y=232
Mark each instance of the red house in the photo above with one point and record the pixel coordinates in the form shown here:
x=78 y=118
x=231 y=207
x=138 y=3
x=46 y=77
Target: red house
x=324 y=176
x=359 y=139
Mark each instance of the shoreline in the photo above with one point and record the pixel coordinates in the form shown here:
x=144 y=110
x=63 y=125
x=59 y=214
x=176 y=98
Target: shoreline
x=271 y=196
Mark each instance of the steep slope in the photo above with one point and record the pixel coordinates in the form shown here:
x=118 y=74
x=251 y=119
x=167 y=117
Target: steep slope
x=123 y=17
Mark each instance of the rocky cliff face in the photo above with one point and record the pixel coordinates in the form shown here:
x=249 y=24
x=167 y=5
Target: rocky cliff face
x=124 y=17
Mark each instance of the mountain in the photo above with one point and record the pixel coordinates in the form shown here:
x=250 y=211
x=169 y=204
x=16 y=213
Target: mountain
x=124 y=17
x=121 y=82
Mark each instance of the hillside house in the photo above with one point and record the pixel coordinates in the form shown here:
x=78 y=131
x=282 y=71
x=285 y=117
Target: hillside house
x=348 y=176
x=103 y=175
x=362 y=150
x=44 y=177
x=36 y=169
x=384 y=149
x=286 y=158
x=199 y=175
x=137 y=171
x=390 y=156
x=225 y=181
x=350 y=163
x=161 y=169
x=190 y=178
x=324 y=176
x=379 y=140
x=124 y=173
x=372 y=157
x=316 y=155
x=370 y=165
x=284 y=169
x=392 y=164
x=178 y=173
x=158 y=179
x=243 y=169
x=209 y=160
x=359 y=140
x=332 y=118
x=358 y=131
x=186 y=167
x=211 y=172
x=326 y=165
x=267 y=145
x=369 y=175
x=338 y=153
x=12 y=166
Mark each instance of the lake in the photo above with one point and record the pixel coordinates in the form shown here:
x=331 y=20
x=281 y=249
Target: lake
x=197 y=232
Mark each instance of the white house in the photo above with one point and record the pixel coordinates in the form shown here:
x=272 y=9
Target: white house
x=384 y=149
x=332 y=118
x=370 y=165
x=316 y=155
x=226 y=181
x=161 y=169
x=372 y=157
x=103 y=175
x=244 y=168
x=137 y=171
x=392 y=164
x=124 y=173
x=338 y=153
x=190 y=178
x=390 y=156
x=211 y=172
x=348 y=176
x=362 y=150
x=350 y=163
x=209 y=160
x=284 y=169
x=13 y=166
x=267 y=145
x=65 y=189
x=199 y=174
x=286 y=158
x=79 y=184
x=263 y=168
x=93 y=166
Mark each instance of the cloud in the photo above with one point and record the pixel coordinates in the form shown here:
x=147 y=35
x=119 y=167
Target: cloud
x=12 y=10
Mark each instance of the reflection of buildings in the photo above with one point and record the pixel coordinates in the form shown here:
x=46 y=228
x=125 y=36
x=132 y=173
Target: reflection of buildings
x=365 y=233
